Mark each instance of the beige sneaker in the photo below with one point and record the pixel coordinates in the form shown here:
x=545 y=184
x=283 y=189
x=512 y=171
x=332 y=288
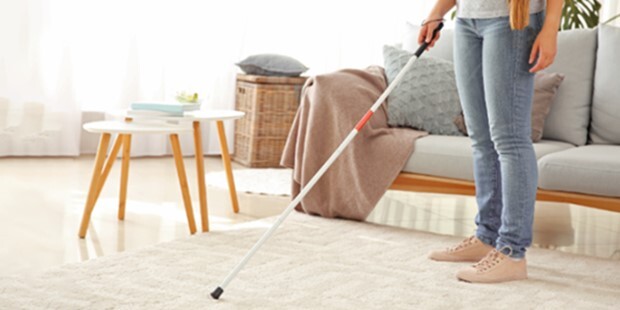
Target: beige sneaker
x=469 y=250
x=494 y=268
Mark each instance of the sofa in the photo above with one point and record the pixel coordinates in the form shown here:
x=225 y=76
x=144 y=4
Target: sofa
x=579 y=156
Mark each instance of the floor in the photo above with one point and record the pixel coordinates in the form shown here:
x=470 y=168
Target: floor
x=42 y=199
x=41 y=202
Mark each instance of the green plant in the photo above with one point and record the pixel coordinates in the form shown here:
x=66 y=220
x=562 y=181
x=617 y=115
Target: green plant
x=187 y=97
x=580 y=14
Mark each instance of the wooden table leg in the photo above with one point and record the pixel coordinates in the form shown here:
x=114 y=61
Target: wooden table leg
x=200 y=167
x=178 y=159
x=109 y=163
x=228 y=166
x=94 y=183
x=124 y=176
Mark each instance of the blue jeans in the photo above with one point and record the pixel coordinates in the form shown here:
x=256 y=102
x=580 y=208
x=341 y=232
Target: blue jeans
x=496 y=90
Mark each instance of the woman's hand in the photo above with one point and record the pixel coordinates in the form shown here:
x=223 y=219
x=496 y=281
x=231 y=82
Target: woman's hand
x=545 y=47
x=426 y=33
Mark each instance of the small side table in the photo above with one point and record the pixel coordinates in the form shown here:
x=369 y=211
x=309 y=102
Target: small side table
x=196 y=117
x=102 y=168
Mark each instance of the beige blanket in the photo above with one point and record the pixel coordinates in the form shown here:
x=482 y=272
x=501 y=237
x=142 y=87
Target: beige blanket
x=331 y=105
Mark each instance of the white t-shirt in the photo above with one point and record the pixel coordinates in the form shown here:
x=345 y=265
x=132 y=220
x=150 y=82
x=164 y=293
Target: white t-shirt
x=491 y=8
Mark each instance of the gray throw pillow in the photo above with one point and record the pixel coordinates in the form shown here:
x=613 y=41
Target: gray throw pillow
x=545 y=88
x=272 y=65
x=426 y=98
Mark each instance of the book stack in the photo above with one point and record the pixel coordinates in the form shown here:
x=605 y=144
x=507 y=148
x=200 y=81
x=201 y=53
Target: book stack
x=161 y=108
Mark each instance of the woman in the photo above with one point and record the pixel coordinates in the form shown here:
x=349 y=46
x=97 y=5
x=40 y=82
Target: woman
x=498 y=46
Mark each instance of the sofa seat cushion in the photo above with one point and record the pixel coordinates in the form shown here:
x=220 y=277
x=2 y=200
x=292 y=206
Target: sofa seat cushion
x=452 y=157
x=591 y=169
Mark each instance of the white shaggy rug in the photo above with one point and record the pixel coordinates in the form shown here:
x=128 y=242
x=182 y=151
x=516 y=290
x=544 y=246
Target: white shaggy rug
x=311 y=263
x=266 y=181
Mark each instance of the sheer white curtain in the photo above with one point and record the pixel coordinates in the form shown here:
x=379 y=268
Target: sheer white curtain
x=64 y=62
x=39 y=114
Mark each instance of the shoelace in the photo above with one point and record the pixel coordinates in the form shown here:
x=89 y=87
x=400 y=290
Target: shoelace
x=493 y=258
x=465 y=243
x=489 y=261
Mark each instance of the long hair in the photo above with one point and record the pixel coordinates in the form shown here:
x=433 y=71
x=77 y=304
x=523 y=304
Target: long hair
x=519 y=13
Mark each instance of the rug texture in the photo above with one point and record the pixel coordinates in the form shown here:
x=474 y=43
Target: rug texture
x=311 y=263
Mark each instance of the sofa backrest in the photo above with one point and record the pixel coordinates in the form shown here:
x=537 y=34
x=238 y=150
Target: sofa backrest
x=569 y=117
x=605 y=123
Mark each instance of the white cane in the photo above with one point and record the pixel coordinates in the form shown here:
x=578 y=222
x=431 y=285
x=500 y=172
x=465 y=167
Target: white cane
x=220 y=289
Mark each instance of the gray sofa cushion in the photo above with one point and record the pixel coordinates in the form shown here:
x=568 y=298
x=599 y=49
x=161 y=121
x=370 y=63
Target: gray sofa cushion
x=272 y=65
x=570 y=111
x=451 y=157
x=426 y=98
x=590 y=169
x=605 y=124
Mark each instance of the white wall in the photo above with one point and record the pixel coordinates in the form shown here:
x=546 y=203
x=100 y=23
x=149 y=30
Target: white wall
x=610 y=8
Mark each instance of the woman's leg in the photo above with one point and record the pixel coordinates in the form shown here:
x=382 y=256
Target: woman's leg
x=468 y=70
x=509 y=88
x=468 y=44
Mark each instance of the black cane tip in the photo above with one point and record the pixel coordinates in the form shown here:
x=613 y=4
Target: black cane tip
x=217 y=293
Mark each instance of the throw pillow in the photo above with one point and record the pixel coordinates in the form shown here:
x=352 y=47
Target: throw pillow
x=272 y=65
x=545 y=87
x=426 y=98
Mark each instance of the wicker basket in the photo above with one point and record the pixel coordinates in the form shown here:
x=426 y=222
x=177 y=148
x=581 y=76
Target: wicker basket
x=270 y=105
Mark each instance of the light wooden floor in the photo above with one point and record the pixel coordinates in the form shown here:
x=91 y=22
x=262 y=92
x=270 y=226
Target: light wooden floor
x=42 y=199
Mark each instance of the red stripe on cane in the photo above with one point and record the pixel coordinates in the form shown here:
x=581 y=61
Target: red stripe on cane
x=364 y=120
